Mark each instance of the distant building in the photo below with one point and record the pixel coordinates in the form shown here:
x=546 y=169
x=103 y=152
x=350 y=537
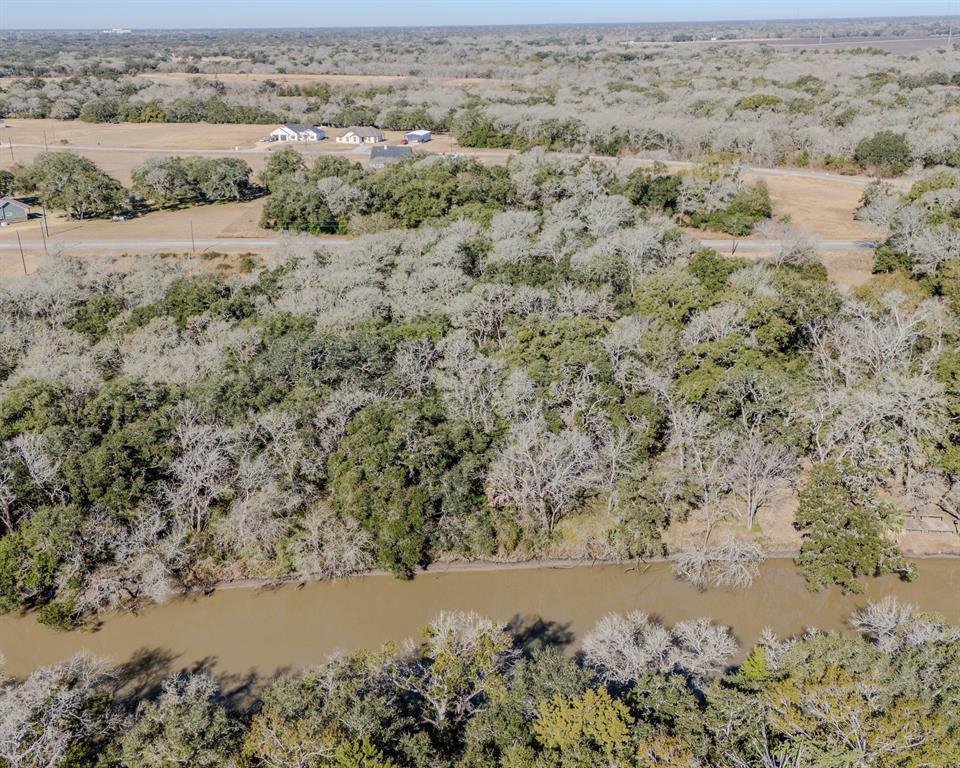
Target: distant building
x=294 y=132
x=418 y=137
x=383 y=156
x=12 y=211
x=361 y=134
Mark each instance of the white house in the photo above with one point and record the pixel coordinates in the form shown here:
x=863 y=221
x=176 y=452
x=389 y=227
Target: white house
x=361 y=134
x=292 y=132
x=418 y=137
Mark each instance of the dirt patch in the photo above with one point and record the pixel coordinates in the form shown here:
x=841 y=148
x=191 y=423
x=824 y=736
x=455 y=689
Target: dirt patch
x=824 y=208
x=54 y=133
x=849 y=269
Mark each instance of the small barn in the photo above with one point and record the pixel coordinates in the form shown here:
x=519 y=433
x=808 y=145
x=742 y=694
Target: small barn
x=361 y=134
x=295 y=132
x=418 y=137
x=13 y=211
x=381 y=157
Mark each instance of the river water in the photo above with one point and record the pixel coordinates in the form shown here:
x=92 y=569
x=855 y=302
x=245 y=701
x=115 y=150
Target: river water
x=247 y=634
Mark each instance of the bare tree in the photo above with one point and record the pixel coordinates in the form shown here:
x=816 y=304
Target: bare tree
x=757 y=467
x=470 y=382
x=623 y=648
x=794 y=246
x=540 y=473
x=326 y=546
x=201 y=472
x=42 y=466
x=42 y=716
x=893 y=625
x=702 y=648
x=734 y=563
x=464 y=656
x=413 y=363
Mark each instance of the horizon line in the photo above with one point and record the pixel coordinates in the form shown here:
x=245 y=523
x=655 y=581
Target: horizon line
x=791 y=20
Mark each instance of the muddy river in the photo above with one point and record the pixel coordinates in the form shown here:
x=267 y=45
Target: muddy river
x=247 y=634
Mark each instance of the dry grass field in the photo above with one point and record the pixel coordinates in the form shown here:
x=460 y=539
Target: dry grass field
x=824 y=208
x=114 y=147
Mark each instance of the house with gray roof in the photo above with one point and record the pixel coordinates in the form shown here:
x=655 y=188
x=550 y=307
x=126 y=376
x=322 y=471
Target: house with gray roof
x=381 y=157
x=13 y=211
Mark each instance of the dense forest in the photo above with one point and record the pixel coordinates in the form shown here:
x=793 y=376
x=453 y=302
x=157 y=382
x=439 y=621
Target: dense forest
x=606 y=89
x=452 y=360
x=474 y=694
x=530 y=360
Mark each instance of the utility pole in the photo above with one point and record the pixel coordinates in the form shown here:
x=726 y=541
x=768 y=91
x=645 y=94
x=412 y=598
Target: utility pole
x=23 y=260
x=44 y=236
x=193 y=242
x=46 y=225
x=10 y=145
x=46 y=147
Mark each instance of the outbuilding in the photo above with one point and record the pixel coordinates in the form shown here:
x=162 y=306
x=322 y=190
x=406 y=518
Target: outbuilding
x=383 y=156
x=418 y=137
x=13 y=211
x=296 y=132
x=361 y=134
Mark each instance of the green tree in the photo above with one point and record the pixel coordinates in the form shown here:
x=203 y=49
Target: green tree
x=845 y=533
x=657 y=191
x=6 y=183
x=185 y=727
x=400 y=467
x=164 y=180
x=220 y=178
x=72 y=183
x=31 y=556
x=887 y=151
x=358 y=754
x=296 y=205
x=279 y=165
x=834 y=719
x=588 y=730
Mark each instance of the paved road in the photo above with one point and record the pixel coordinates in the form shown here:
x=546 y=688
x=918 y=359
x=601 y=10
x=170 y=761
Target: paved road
x=259 y=243
x=627 y=161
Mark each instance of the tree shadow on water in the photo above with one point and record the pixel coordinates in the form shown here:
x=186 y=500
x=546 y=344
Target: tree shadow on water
x=142 y=675
x=534 y=633
x=141 y=678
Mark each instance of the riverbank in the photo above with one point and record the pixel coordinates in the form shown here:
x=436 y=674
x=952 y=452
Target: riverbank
x=486 y=566
x=256 y=633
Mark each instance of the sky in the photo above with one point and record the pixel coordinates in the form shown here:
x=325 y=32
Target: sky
x=189 y=14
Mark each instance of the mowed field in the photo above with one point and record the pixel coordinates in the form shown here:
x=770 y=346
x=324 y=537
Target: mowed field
x=118 y=148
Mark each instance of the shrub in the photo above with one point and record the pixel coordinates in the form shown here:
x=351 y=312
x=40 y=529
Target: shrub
x=886 y=151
